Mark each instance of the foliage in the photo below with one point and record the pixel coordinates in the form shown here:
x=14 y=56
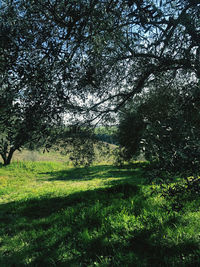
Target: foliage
x=151 y=38
x=172 y=134
x=28 y=101
x=130 y=133
x=106 y=134
x=186 y=190
x=100 y=54
x=170 y=137
x=84 y=60
x=78 y=143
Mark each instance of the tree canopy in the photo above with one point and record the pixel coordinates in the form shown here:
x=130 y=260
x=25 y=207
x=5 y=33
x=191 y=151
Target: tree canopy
x=85 y=60
x=163 y=124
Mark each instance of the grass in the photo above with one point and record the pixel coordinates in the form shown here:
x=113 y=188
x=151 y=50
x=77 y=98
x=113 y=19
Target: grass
x=59 y=155
x=52 y=214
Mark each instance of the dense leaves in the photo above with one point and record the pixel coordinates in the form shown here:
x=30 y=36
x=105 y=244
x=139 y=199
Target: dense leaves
x=130 y=133
x=84 y=60
x=171 y=132
x=178 y=194
x=29 y=97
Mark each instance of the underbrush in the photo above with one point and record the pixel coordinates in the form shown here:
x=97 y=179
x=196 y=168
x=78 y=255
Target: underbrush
x=55 y=215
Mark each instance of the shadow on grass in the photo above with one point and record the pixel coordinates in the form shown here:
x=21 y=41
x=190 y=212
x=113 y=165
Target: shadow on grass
x=43 y=207
x=84 y=229
x=50 y=231
x=131 y=171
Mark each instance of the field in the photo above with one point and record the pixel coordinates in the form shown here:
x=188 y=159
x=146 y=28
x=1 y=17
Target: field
x=52 y=214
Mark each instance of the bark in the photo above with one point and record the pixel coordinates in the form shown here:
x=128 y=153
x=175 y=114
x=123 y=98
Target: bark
x=7 y=157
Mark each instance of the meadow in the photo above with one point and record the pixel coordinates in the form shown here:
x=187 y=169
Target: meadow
x=52 y=214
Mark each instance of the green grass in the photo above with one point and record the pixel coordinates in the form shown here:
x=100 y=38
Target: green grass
x=52 y=214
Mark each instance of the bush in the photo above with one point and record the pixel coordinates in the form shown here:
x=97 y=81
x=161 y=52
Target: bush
x=165 y=126
x=182 y=192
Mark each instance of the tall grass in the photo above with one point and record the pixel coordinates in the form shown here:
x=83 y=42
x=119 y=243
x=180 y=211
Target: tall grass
x=52 y=214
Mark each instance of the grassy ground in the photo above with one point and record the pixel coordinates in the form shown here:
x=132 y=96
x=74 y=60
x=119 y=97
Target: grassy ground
x=52 y=214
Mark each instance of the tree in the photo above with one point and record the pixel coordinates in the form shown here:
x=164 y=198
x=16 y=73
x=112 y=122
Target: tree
x=89 y=57
x=130 y=133
x=171 y=118
x=28 y=101
x=110 y=49
x=44 y=49
x=104 y=52
x=134 y=42
x=41 y=58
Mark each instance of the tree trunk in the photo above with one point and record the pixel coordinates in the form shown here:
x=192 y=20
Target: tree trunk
x=7 y=157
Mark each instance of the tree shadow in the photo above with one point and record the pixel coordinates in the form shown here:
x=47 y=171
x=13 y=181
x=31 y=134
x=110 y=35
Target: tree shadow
x=81 y=228
x=43 y=207
x=159 y=254
x=45 y=224
x=54 y=231
x=96 y=172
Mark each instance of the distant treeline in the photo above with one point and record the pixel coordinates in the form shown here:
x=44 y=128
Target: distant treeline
x=107 y=134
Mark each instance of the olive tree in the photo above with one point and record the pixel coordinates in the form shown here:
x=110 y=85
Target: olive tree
x=169 y=133
x=88 y=58
x=29 y=105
